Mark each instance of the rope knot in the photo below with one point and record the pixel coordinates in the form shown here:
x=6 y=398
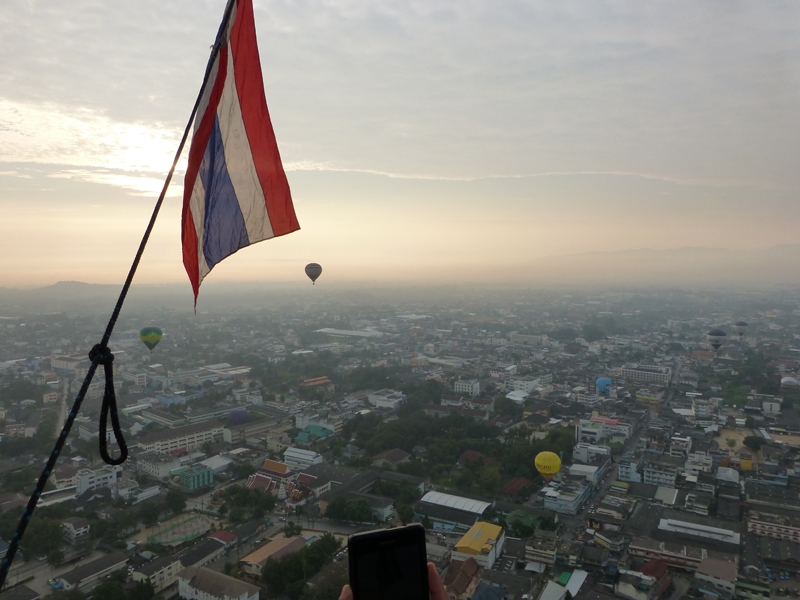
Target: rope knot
x=100 y=355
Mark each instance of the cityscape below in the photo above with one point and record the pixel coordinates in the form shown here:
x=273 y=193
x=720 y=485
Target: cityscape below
x=636 y=443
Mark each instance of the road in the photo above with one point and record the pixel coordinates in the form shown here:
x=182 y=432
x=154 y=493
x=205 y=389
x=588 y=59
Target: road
x=575 y=523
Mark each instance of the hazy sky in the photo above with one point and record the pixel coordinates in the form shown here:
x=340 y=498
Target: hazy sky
x=420 y=138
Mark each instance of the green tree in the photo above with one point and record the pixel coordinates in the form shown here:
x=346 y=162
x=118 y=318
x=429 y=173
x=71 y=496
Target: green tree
x=237 y=515
x=750 y=422
x=405 y=513
x=108 y=590
x=55 y=556
x=754 y=442
x=42 y=536
x=175 y=501
x=143 y=590
x=329 y=583
x=731 y=442
x=149 y=513
x=291 y=529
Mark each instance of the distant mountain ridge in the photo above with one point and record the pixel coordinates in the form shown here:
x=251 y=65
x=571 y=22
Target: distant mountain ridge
x=688 y=265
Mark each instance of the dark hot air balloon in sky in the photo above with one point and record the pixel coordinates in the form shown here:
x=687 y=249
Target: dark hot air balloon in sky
x=740 y=327
x=151 y=336
x=603 y=386
x=716 y=337
x=313 y=270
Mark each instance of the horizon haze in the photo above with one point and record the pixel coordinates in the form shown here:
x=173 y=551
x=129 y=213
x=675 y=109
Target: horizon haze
x=423 y=142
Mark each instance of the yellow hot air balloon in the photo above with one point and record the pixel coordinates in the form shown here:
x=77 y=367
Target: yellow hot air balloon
x=548 y=464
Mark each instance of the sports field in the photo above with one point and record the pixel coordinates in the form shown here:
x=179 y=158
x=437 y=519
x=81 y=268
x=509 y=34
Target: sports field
x=181 y=531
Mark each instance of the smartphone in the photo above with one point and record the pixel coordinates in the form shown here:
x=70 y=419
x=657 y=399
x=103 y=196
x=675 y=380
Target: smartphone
x=389 y=564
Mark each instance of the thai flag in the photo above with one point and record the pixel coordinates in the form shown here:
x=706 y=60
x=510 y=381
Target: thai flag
x=235 y=190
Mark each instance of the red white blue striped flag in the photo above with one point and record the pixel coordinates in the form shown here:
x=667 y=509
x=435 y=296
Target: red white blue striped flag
x=235 y=190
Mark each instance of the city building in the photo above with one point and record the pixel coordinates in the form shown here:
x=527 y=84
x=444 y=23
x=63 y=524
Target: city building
x=156 y=464
x=483 y=542
x=674 y=554
x=161 y=572
x=585 y=453
x=86 y=577
x=542 y=548
x=566 y=497
x=449 y=512
x=662 y=470
x=631 y=467
x=471 y=387
x=775 y=523
x=253 y=563
x=198 y=583
x=298 y=459
x=194 y=477
x=390 y=399
x=647 y=373
x=648 y=584
x=187 y=437
x=719 y=574
x=75 y=529
x=92 y=479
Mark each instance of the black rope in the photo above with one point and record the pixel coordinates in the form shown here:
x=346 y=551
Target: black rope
x=100 y=353
x=103 y=356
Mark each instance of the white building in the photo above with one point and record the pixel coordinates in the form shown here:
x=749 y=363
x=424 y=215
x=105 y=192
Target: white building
x=566 y=497
x=299 y=459
x=590 y=473
x=471 y=387
x=660 y=472
x=390 y=399
x=198 y=583
x=648 y=373
x=680 y=446
x=630 y=468
x=525 y=384
x=75 y=529
x=187 y=437
x=89 y=479
x=156 y=464
x=586 y=452
x=698 y=462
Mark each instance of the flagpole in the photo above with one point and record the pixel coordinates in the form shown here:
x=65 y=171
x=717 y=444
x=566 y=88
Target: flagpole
x=99 y=352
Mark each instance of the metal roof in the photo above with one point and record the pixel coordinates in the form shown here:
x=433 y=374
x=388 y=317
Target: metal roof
x=466 y=504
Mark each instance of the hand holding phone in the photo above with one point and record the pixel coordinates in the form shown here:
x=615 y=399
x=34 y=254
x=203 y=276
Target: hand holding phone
x=391 y=564
x=437 y=591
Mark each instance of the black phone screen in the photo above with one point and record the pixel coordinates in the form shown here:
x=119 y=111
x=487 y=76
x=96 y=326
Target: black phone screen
x=389 y=565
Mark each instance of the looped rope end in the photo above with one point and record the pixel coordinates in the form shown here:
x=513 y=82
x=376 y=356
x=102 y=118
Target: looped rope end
x=101 y=355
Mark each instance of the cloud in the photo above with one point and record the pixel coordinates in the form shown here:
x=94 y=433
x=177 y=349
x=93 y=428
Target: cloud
x=442 y=89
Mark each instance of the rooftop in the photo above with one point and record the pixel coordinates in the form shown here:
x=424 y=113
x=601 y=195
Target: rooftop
x=480 y=538
x=457 y=502
x=216 y=584
x=721 y=569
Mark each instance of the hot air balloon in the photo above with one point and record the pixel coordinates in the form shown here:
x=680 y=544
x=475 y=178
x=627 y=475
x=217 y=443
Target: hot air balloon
x=313 y=270
x=548 y=464
x=716 y=337
x=151 y=336
x=603 y=386
x=740 y=327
